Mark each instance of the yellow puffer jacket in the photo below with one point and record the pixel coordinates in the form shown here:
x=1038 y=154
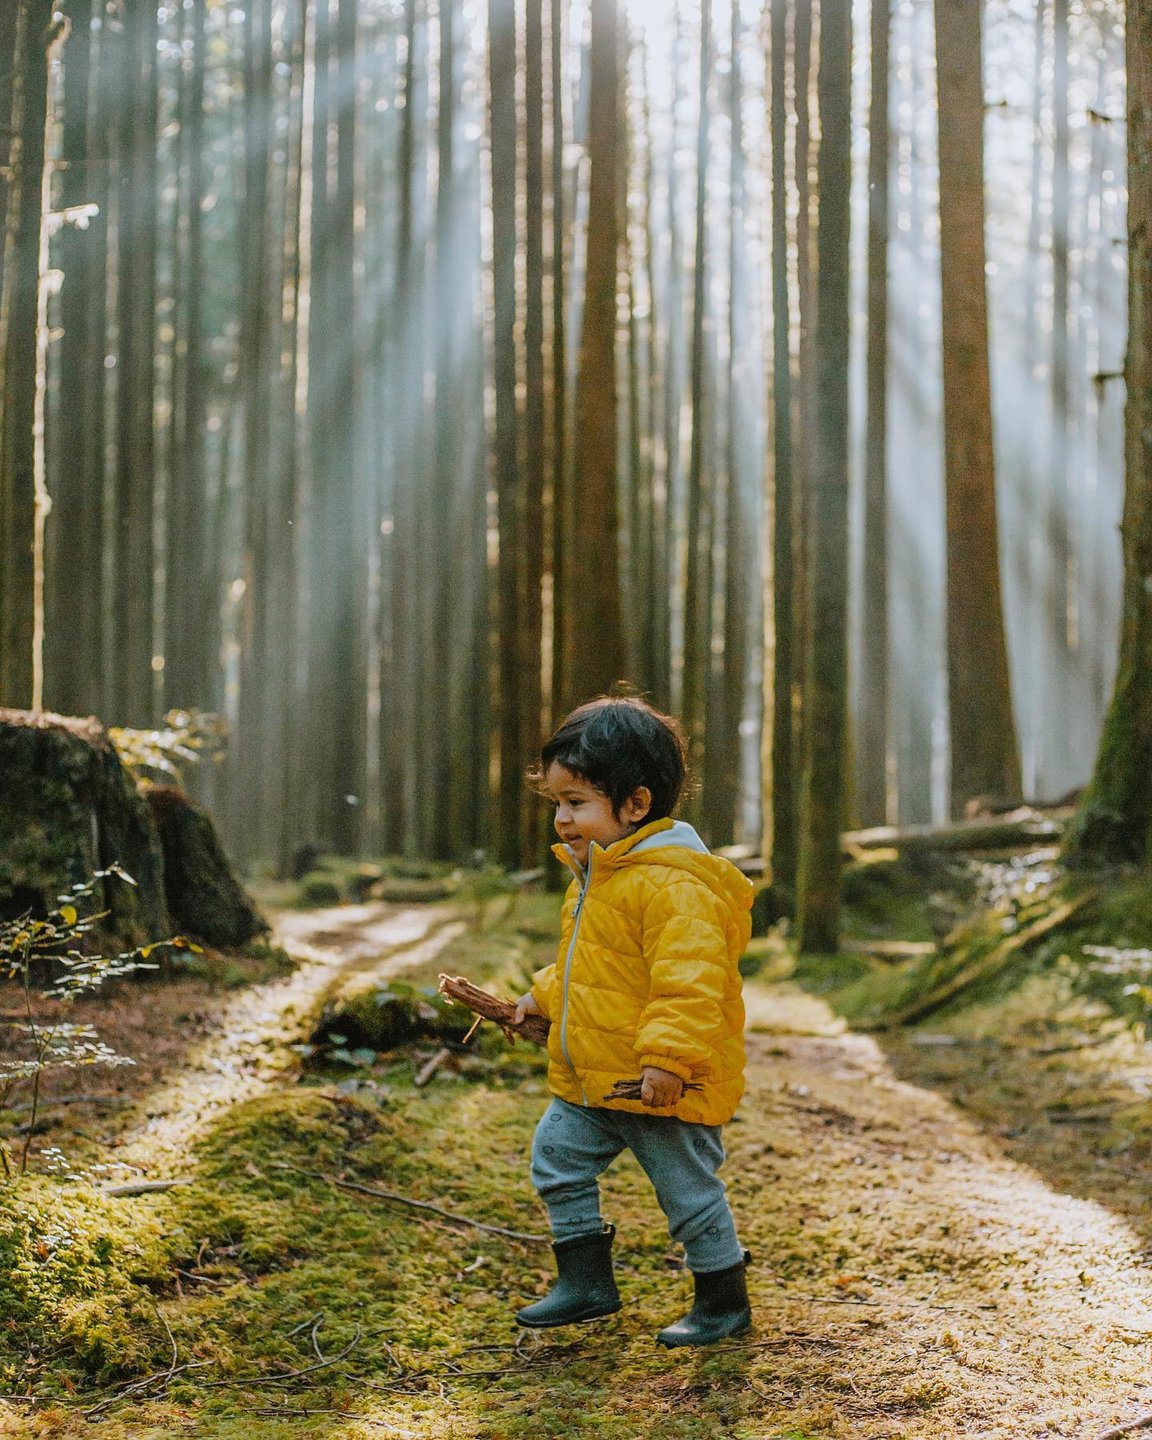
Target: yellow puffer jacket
x=647 y=974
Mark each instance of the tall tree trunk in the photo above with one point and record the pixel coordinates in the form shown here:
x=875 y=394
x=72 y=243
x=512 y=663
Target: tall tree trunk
x=502 y=100
x=535 y=408
x=1114 y=823
x=985 y=757
x=593 y=641
x=192 y=595
x=697 y=587
x=872 y=749
x=135 y=375
x=780 y=770
x=559 y=413
x=727 y=747
x=76 y=525
x=825 y=779
x=18 y=335
x=1057 y=758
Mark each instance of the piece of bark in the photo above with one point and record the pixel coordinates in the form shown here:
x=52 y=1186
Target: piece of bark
x=491 y=1007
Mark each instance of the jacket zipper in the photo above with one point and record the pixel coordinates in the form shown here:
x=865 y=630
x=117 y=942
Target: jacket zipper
x=568 y=970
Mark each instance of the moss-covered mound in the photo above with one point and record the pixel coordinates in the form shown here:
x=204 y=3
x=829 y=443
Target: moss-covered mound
x=68 y=809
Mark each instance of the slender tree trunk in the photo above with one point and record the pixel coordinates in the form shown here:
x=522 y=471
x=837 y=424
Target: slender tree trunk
x=697 y=590
x=502 y=49
x=135 y=375
x=872 y=751
x=1114 y=823
x=593 y=643
x=193 y=580
x=559 y=413
x=535 y=410
x=780 y=777
x=825 y=778
x=18 y=334
x=985 y=758
x=75 y=528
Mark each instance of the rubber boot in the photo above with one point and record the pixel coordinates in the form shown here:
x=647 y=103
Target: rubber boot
x=720 y=1310
x=585 y=1288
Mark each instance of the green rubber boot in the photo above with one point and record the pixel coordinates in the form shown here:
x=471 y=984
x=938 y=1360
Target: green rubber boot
x=719 y=1312
x=585 y=1288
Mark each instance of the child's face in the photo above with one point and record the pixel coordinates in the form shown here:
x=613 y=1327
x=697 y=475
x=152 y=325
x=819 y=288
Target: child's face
x=584 y=814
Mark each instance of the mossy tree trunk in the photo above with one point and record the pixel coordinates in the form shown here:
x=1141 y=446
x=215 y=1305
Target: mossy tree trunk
x=1114 y=823
x=826 y=696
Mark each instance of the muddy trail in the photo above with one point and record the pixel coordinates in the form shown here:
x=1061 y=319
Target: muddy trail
x=937 y=1253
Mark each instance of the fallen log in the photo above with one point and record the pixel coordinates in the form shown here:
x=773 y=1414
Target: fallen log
x=891 y=950
x=1019 y=829
x=491 y=1007
x=987 y=965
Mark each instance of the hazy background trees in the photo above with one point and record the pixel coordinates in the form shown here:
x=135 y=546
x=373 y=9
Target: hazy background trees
x=410 y=369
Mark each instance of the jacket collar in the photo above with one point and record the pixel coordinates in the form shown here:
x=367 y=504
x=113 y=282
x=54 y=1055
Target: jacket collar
x=598 y=855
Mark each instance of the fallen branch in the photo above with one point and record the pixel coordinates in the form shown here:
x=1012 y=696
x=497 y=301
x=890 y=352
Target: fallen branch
x=987 y=965
x=143 y=1187
x=891 y=950
x=430 y=1067
x=491 y=1007
x=288 y=1374
x=1141 y=1422
x=414 y=1204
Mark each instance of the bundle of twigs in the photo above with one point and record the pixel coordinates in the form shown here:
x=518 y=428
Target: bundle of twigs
x=491 y=1007
x=632 y=1089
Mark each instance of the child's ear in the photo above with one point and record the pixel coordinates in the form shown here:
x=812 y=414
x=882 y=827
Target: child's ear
x=638 y=804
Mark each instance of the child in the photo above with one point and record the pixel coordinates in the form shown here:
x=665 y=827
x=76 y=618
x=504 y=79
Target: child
x=645 y=984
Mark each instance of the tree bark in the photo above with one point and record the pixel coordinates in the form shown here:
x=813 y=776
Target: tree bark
x=825 y=779
x=1114 y=823
x=872 y=750
x=502 y=101
x=18 y=331
x=593 y=642
x=985 y=757
x=781 y=806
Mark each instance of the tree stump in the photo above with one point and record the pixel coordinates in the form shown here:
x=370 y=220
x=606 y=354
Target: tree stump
x=204 y=897
x=68 y=808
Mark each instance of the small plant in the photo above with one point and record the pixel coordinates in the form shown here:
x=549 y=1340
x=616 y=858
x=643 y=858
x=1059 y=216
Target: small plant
x=188 y=737
x=30 y=946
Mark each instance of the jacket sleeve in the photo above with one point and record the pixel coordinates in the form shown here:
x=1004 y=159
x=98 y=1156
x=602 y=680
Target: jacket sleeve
x=686 y=947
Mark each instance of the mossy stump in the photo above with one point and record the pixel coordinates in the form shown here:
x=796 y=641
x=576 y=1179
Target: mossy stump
x=68 y=809
x=204 y=897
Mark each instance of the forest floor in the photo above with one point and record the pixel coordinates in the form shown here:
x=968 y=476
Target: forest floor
x=949 y=1223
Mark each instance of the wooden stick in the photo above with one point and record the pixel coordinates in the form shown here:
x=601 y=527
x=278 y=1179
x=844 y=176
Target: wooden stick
x=144 y=1187
x=429 y=1068
x=415 y=1204
x=491 y=1007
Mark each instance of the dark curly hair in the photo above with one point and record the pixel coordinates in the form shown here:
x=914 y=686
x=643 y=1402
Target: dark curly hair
x=619 y=743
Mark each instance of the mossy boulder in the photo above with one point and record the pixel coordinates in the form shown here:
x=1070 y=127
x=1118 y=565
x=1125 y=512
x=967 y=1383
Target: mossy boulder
x=204 y=897
x=386 y=1016
x=68 y=808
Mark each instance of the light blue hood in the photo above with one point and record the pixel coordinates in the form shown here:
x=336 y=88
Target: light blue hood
x=680 y=833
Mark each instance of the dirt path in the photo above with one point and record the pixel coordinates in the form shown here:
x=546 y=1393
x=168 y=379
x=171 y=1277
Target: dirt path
x=243 y=1053
x=915 y=1277
x=964 y=1294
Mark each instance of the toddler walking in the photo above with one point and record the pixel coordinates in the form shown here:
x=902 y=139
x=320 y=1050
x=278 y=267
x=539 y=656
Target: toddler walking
x=645 y=985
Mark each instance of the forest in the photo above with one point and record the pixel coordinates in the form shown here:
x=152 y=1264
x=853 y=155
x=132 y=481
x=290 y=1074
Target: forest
x=379 y=381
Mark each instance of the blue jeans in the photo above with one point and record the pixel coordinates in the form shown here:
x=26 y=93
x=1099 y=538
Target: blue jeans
x=575 y=1144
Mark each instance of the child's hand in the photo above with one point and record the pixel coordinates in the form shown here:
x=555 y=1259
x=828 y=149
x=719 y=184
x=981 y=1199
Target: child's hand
x=660 y=1088
x=526 y=1006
